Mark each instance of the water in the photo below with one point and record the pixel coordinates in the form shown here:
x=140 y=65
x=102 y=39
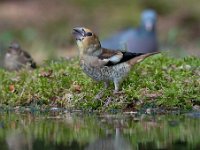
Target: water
x=75 y=131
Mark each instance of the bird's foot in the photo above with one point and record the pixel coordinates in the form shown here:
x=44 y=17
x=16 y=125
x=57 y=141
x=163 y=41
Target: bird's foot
x=116 y=92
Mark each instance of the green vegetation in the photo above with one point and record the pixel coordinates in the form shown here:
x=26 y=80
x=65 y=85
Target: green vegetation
x=159 y=81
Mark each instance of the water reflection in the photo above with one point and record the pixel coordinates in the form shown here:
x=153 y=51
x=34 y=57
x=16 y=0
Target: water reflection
x=111 y=142
x=75 y=131
x=17 y=140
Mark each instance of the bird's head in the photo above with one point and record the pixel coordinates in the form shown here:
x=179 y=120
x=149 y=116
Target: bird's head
x=148 y=20
x=14 y=48
x=86 y=40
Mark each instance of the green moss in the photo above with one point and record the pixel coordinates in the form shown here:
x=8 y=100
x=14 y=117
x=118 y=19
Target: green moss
x=159 y=81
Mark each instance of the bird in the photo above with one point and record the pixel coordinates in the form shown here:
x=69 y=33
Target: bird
x=2 y=53
x=16 y=58
x=137 y=40
x=103 y=64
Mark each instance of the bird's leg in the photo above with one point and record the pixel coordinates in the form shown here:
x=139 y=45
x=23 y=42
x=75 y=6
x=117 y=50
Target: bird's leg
x=100 y=94
x=117 y=83
x=106 y=84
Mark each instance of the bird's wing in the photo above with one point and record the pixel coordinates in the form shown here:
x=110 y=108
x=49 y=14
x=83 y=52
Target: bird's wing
x=28 y=59
x=111 y=56
x=116 y=57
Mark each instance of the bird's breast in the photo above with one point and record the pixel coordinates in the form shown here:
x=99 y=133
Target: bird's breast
x=106 y=73
x=10 y=61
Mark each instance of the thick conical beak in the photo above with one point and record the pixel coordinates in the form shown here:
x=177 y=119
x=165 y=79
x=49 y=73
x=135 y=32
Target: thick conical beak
x=78 y=33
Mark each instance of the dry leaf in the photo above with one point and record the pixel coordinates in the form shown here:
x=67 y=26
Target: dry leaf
x=12 y=88
x=46 y=73
x=76 y=88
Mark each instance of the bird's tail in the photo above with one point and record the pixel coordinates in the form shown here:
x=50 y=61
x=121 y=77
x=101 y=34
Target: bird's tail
x=140 y=58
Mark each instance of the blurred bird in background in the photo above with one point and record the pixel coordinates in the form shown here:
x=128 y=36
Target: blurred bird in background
x=140 y=40
x=103 y=64
x=2 y=53
x=16 y=58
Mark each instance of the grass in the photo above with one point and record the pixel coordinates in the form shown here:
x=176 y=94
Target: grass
x=160 y=81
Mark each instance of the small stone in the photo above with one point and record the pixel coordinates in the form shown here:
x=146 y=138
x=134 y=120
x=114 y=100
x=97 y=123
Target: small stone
x=185 y=67
x=149 y=111
x=54 y=109
x=196 y=107
x=131 y=112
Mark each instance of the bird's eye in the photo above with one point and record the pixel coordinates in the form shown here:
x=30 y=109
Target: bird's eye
x=88 y=34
